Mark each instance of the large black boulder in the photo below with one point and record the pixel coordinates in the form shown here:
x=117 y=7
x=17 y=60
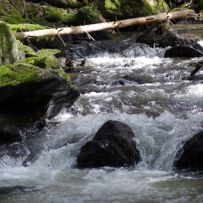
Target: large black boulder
x=113 y=145
x=190 y=156
x=31 y=101
x=184 y=51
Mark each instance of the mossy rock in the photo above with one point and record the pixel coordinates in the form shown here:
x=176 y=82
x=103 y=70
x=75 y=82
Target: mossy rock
x=131 y=8
x=45 y=58
x=19 y=73
x=9 y=52
x=26 y=50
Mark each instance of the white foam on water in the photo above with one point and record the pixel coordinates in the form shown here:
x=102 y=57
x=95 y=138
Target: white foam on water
x=200 y=42
x=158 y=138
x=99 y=94
x=192 y=92
x=129 y=63
x=53 y=178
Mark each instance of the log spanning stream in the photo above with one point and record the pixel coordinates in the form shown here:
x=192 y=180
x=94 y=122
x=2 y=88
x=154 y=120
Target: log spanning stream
x=127 y=82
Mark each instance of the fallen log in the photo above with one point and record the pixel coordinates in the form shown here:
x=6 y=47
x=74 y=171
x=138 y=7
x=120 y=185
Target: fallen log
x=159 y=18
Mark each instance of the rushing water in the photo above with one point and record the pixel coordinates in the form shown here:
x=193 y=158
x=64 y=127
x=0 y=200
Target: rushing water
x=123 y=81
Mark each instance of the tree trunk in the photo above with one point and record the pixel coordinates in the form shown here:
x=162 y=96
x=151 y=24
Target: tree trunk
x=159 y=18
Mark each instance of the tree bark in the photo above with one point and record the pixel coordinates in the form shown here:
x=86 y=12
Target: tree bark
x=159 y=18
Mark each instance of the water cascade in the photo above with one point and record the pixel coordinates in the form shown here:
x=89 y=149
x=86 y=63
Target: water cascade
x=124 y=81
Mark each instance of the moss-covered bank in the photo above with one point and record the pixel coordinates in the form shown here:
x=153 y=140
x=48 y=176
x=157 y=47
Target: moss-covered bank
x=130 y=8
x=32 y=67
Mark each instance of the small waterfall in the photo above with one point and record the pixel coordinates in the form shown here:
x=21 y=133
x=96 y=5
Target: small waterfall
x=158 y=138
x=127 y=82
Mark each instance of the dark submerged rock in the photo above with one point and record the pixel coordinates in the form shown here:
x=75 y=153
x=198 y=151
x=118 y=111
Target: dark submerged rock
x=190 y=156
x=184 y=51
x=9 y=135
x=113 y=145
x=140 y=79
x=12 y=189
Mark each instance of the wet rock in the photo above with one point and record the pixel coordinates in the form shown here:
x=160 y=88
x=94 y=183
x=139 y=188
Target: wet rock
x=140 y=79
x=190 y=156
x=61 y=100
x=9 y=135
x=164 y=36
x=160 y=35
x=31 y=100
x=196 y=67
x=113 y=145
x=118 y=82
x=184 y=51
x=12 y=189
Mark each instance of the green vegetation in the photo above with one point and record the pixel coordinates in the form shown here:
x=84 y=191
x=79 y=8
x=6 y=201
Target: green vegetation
x=131 y=8
x=32 y=69
x=64 y=75
x=74 y=4
x=45 y=59
x=87 y=15
x=23 y=63
x=59 y=15
x=18 y=73
x=25 y=27
x=112 y=5
x=9 y=52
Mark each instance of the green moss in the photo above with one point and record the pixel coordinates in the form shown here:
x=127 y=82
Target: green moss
x=48 y=52
x=161 y=6
x=131 y=8
x=19 y=73
x=64 y=75
x=14 y=17
x=153 y=7
x=25 y=27
x=45 y=59
x=35 y=14
x=88 y=15
x=74 y=4
x=1 y=11
x=53 y=14
x=112 y=5
x=26 y=50
x=9 y=52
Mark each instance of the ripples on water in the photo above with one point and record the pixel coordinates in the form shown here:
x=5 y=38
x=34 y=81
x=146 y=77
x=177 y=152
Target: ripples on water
x=131 y=83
